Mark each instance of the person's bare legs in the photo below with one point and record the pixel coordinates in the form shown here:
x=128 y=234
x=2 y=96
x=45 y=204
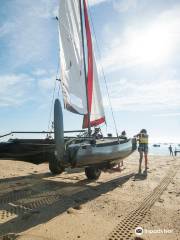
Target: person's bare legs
x=146 y=161
x=118 y=168
x=140 y=160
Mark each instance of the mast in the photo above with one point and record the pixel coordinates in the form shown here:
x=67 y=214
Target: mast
x=85 y=71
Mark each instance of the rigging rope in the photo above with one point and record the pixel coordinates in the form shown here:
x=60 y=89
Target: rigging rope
x=103 y=73
x=53 y=96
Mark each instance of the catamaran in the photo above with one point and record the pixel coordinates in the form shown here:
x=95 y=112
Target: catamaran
x=81 y=95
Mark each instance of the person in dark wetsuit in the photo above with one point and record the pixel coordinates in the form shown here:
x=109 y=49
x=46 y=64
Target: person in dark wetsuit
x=170 y=150
x=142 y=138
x=123 y=136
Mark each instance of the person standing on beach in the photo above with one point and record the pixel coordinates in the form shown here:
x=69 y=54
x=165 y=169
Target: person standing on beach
x=119 y=166
x=170 y=150
x=124 y=137
x=142 y=138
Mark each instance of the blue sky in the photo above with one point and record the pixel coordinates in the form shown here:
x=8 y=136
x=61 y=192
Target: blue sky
x=139 y=41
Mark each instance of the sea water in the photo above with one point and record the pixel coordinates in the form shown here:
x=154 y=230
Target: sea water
x=163 y=149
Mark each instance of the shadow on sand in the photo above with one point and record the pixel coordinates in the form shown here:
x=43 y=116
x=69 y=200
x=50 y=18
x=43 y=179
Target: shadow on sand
x=46 y=199
x=140 y=177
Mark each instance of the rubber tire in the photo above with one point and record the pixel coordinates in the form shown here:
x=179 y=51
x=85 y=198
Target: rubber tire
x=92 y=173
x=54 y=166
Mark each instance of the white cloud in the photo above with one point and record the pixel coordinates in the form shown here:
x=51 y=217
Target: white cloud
x=31 y=36
x=45 y=79
x=95 y=2
x=41 y=8
x=124 y=5
x=14 y=89
x=164 y=139
x=171 y=114
x=18 y=89
x=6 y=28
x=148 y=44
x=151 y=52
x=46 y=83
x=144 y=95
x=39 y=72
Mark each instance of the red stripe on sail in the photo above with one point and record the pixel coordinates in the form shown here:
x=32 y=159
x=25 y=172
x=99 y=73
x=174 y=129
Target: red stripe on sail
x=94 y=122
x=97 y=121
x=85 y=121
x=90 y=64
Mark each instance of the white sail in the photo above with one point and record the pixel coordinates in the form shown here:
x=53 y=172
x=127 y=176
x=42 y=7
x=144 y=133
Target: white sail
x=71 y=57
x=97 y=109
x=95 y=103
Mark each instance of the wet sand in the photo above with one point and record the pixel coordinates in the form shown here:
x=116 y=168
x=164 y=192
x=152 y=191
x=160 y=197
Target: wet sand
x=36 y=205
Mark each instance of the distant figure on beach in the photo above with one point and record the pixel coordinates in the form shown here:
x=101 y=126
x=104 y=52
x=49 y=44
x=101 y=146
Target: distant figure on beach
x=142 y=138
x=170 y=150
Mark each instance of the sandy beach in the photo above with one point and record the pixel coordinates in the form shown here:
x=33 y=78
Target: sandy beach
x=36 y=205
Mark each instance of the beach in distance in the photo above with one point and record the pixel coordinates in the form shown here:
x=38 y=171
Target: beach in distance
x=37 y=205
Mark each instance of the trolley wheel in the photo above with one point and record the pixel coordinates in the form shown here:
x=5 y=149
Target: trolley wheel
x=92 y=173
x=54 y=166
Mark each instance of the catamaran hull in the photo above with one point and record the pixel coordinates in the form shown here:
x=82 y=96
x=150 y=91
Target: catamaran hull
x=105 y=154
x=35 y=151
x=98 y=155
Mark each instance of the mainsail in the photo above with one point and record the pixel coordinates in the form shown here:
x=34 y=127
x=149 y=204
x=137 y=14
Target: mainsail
x=71 y=57
x=81 y=93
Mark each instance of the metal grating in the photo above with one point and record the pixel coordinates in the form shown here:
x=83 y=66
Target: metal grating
x=10 y=236
x=14 y=196
x=22 y=202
